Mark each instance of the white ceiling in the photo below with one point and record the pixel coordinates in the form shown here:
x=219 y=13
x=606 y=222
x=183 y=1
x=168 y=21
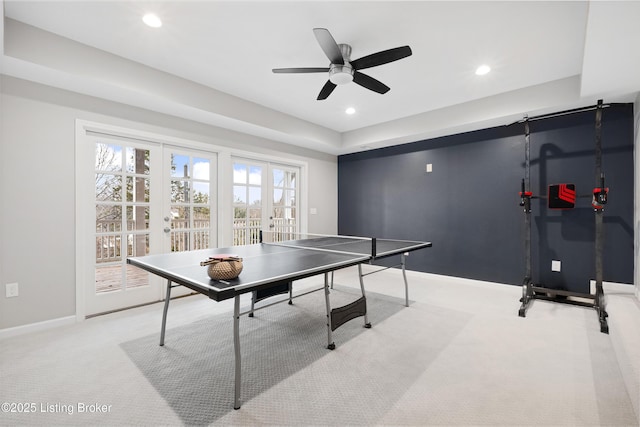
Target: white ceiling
x=211 y=61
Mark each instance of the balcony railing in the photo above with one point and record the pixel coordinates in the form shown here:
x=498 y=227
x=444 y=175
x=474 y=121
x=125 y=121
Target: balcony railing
x=245 y=231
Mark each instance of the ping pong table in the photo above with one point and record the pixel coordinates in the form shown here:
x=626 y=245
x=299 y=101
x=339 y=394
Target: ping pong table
x=271 y=267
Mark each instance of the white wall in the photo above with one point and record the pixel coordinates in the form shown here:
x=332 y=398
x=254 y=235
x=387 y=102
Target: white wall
x=37 y=224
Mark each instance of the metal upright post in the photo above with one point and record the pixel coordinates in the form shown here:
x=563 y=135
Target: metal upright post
x=527 y=206
x=599 y=302
x=527 y=292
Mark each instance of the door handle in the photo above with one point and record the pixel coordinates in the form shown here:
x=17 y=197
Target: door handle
x=167 y=229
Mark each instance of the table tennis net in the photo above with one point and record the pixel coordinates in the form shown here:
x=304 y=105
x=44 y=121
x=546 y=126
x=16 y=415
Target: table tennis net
x=334 y=243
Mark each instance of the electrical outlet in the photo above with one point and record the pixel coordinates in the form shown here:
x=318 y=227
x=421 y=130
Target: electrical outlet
x=555 y=265
x=11 y=290
x=429 y=167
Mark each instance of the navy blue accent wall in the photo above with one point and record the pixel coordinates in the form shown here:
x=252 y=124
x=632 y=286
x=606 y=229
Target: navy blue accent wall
x=468 y=206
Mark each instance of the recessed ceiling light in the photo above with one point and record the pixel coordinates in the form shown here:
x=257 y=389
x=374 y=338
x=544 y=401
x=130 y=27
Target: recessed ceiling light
x=482 y=70
x=152 y=20
x=350 y=110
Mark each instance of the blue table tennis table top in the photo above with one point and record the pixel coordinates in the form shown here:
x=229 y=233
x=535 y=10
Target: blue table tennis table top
x=266 y=264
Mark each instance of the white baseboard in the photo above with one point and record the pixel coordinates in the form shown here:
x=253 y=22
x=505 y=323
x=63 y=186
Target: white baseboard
x=615 y=287
x=460 y=280
x=611 y=287
x=34 y=327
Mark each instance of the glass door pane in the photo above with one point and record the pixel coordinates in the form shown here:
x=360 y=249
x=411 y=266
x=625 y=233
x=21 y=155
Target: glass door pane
x=265 y=197
x=122 y=201
x=284 y=202
x=190 y=217
x=247 y=201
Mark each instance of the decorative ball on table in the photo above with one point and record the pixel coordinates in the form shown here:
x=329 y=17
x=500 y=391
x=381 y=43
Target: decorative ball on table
x=223 y=266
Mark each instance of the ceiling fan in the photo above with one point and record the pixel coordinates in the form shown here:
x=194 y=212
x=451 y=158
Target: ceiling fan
x=343 y=70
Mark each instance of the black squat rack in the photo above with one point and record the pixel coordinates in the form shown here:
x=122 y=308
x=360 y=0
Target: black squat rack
x=564 y=196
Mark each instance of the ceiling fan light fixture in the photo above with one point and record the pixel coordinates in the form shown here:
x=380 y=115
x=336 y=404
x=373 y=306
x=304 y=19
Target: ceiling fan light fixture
x=340 y=74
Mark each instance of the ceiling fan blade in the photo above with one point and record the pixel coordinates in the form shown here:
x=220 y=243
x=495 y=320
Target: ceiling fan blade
x=370 y=83
x=300 y=70
x=383 y=57
x=329 y=45
x=326 y=90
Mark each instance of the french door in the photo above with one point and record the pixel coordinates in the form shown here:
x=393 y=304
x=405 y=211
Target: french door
x=189 y=213
x=265 y=197
x=148 y=198
x=127 y=190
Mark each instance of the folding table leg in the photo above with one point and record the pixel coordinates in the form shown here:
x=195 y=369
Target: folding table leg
x=164 y=313
x=236 y=347
x=366 y=316
x=406 y=284
x=330 y=344
x=254 y=296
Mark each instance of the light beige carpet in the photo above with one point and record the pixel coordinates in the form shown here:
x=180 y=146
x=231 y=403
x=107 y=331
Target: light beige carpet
x=459 y=355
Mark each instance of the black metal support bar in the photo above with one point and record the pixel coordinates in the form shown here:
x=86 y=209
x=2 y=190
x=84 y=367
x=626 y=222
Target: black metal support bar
x=254 y=309
x=567 y=112
x=341 y=315
x=280 y=288
x=560 y=299
x=276 y=289
x=381 y=269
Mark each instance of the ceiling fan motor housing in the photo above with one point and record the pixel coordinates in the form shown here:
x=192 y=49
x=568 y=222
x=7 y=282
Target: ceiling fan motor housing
x=340 y=74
